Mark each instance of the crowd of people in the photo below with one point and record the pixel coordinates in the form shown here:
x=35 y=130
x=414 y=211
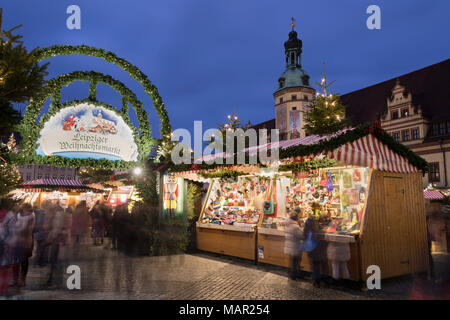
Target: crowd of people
x=37 y=233
x=319 y=251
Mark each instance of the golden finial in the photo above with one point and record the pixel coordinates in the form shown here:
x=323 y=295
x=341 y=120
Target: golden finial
x=292 y=23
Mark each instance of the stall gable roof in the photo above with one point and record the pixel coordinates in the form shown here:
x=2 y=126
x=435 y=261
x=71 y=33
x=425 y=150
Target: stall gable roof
x=433 y=195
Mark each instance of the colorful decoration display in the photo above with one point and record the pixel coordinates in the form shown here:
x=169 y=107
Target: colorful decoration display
x=335 y=197
x=238 y=203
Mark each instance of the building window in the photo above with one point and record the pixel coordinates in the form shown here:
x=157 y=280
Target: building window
x=433 y=172
x=69 y=178
x=396 y=136
x=305 y=97
x=415 y=134
x=40 y=167
x=47 y=176
x=28 y=176
x=405 y=112
x=294 y=97
x=30 y=166
x=55 y=176
x=294 y=108
x=435 y=129
x=405 y=135
x=281 y=100
x=394 y=115
x=441 y=128
x=62 y=176
x=39 y=176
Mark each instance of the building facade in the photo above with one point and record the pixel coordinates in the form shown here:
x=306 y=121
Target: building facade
x=415 y=110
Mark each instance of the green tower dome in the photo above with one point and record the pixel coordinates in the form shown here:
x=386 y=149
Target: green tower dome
x=294 y=76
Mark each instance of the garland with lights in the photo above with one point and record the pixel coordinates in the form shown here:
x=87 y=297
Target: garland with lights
x=308 y=165
x=353 y=135
x=222 y=174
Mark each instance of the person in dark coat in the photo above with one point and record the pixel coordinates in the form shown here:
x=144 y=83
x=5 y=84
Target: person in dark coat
x=318 y=255
x=40 y=235
x=22 y=244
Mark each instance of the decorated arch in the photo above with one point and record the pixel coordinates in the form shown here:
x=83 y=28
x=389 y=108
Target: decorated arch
x=88 y=132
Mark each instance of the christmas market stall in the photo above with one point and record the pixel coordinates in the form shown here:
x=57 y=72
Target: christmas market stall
x=67 y=192
x=363 y=189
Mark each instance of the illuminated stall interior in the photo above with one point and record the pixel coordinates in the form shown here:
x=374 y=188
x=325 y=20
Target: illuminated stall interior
x=67 y=192
x=362 y=189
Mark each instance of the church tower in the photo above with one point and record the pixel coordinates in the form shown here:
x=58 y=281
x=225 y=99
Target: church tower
x=294 y=92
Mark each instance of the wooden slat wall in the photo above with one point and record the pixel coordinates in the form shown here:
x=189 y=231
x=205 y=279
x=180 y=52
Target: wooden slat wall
x=378 y=246
x=416 y=226
x=232 y=243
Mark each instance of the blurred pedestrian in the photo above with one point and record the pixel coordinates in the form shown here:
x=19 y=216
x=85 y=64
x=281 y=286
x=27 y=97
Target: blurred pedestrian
x=80 y=223
x=119 y=225
x=293 y=245
x=58 y=227
x=22 y=244
x=98 y=223
x=40 y=234
x=7 y=221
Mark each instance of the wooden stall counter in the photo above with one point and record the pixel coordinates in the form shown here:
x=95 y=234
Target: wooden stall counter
x=270 y=246
x=237 y=241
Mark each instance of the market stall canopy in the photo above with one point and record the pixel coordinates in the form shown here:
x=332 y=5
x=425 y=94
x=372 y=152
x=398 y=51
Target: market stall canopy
x=54 y=182
x=59 y=184
x=433 y=195
x=366 y=145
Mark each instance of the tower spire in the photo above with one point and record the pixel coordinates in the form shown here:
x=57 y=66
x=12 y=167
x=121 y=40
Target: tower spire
x=292 y=23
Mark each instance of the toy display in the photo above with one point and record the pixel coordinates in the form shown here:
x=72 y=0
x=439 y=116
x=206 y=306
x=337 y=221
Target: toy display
x=235 y=203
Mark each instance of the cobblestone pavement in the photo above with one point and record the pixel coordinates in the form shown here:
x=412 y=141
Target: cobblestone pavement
x=107 y=274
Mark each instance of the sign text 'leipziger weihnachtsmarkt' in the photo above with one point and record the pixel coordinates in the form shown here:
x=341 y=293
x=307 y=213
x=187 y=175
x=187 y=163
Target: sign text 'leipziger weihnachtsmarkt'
x=87 y=131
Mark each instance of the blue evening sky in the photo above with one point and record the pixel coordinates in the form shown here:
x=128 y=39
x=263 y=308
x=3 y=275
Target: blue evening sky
x=209 y=58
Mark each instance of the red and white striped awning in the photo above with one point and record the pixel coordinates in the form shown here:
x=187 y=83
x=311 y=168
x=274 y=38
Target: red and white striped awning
x=31 y=190
x=367 y=151
x=370 y=152
x=54 y=182
x=433 y=195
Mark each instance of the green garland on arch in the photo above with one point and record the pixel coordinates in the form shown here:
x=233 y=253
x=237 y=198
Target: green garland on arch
x=30 y=130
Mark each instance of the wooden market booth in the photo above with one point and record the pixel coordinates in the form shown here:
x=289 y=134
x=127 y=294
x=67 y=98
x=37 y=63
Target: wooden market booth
x=376 y=203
